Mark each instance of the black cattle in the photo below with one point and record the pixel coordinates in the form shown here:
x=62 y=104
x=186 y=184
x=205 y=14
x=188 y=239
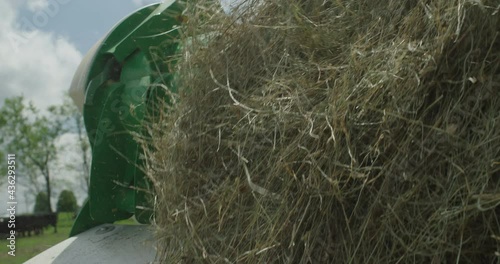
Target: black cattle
x=30 y=224
x=4 y=229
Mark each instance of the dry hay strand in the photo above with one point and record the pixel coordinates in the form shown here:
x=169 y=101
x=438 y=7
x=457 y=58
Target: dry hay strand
x=339 y=131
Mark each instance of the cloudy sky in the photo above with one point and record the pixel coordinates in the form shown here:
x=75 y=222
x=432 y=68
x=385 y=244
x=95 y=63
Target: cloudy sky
x=41 y=45
x=43 y=41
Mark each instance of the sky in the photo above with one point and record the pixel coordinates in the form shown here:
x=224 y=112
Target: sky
x=43 y=41
x=41 y=44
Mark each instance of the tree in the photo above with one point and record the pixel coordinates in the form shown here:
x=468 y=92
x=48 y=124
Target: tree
x=41 y=204
x=31 y=135
x=67 y=202
x=76 y=125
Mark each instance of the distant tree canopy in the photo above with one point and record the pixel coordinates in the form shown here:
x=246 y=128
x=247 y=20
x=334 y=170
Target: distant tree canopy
x=67 y=202
x=41 y=203
x=77 y=126
x=31 y=134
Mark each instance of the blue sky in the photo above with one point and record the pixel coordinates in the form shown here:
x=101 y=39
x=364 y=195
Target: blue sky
x=83 y=22
x=43 y=41
x=41 y=44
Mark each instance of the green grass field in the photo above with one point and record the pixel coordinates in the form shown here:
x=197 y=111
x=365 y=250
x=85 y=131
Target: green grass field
x=28 y=247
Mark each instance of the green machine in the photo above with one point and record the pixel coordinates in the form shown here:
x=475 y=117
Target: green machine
x=115 y=88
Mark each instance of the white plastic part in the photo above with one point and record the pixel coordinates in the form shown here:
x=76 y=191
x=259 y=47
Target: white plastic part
x=106 y=244
x=77 y=90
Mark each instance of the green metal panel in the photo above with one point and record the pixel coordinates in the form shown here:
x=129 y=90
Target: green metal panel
x=118 y=92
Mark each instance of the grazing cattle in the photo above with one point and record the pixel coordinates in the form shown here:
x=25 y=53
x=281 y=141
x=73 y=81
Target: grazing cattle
x=25 y=225
x=4 y=229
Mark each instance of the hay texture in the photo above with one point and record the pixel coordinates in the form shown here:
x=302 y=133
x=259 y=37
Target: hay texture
x=341 y=131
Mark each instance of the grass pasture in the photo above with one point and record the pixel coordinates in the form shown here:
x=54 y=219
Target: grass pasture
x=28 y=247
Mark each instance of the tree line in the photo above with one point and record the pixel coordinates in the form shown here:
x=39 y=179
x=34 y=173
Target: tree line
x=31 y=134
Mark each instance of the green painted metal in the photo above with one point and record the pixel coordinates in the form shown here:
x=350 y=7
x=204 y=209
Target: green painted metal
x=119 y=97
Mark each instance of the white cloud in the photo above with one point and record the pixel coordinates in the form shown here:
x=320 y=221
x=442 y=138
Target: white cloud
x=35 y=63
x=6 y=14
x=37 y=5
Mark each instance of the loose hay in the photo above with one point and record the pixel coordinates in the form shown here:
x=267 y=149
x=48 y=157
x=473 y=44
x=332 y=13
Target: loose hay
x=340 y=131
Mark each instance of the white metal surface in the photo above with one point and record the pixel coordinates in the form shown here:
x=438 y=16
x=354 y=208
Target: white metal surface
x=77 y=90
x=106 y=244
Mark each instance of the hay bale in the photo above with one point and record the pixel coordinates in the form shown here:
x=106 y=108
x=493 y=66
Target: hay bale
x=333 y=132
